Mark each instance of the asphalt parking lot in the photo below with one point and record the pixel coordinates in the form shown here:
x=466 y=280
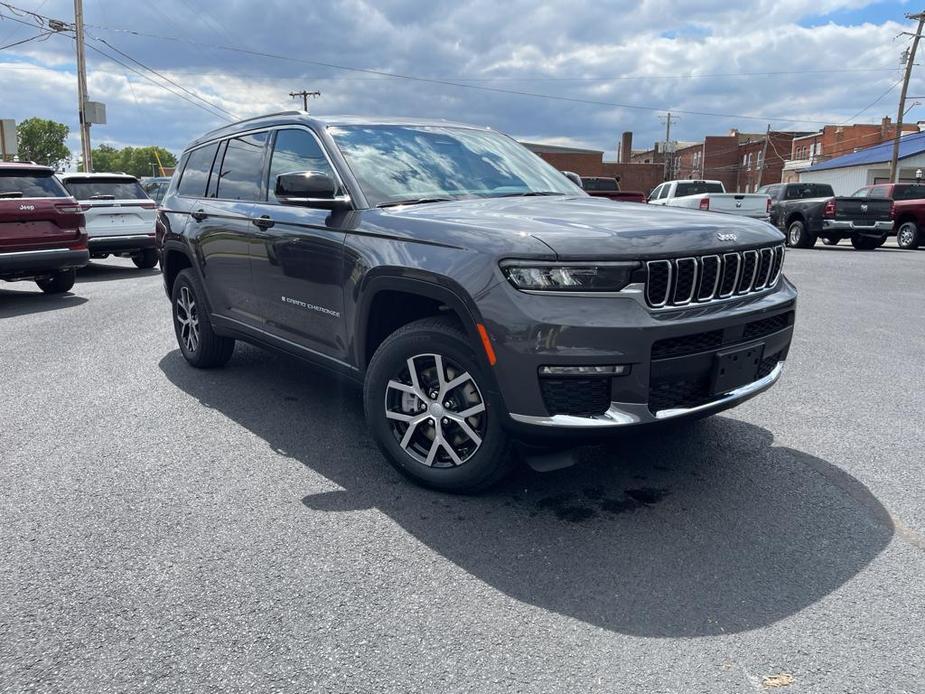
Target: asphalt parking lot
x=166 y=529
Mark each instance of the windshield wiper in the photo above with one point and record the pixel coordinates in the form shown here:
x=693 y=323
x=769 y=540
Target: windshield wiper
x=414 y=201
x=531 y=193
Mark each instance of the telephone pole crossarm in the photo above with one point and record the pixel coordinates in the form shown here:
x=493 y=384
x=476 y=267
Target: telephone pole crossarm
x=304 y=95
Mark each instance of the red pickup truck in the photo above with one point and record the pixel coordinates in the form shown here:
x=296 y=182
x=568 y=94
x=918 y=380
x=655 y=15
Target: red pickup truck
x=608 y=187
x=42 y=230
x=908 y=209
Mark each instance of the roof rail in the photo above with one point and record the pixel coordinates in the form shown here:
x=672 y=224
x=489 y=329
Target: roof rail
x=247 y=120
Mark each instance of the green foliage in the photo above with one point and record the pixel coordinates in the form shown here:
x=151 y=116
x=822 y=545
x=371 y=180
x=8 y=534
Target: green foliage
x=136 y=161
x=42 y=141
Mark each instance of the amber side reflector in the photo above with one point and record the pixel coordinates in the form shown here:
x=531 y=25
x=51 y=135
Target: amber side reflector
x=486 y=343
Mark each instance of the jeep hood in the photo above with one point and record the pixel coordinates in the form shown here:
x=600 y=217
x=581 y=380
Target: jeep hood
x=583 y=227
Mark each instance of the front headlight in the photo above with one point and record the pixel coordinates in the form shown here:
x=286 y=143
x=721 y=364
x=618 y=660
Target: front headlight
x=569 y=277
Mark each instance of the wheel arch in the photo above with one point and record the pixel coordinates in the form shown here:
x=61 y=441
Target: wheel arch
x=411 y=298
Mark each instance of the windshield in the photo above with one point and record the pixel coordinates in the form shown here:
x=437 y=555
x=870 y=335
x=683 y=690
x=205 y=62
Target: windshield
x=105 y=188
x=408 y=162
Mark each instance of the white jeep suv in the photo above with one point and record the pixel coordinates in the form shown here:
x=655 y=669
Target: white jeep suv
x=120 y=215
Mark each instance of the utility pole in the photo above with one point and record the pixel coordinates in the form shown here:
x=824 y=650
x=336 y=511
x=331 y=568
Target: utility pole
x=304 y=94
x=669 y=168
x=82 y=95
x=910 y=59
x=764 y=156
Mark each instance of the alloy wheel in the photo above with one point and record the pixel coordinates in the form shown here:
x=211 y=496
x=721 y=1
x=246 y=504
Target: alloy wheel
x=436 y=411
x=906 y=234
x=187 y=316
x=796 y=232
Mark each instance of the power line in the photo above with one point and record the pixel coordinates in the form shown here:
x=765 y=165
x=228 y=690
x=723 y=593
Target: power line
x=31 y=38
x=158 y=84
x=163 y=77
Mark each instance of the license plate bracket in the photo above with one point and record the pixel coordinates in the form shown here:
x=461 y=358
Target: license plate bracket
x=734 y=368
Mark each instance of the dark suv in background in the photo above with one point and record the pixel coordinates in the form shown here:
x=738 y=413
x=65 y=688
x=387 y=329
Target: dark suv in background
x=478 y=294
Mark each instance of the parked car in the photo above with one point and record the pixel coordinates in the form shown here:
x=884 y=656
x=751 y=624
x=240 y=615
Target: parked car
x=609 y=187
x=710 y=196
x=477 y=294
x=807 y=211
x=120 y=215
x=42 y=234
x=908 y=209
x=155 y=187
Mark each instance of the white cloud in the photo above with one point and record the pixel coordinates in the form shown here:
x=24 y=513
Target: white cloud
x=516 y=41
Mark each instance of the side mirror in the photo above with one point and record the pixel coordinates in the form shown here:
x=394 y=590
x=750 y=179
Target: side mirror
x=574 y=178
x=311 y=189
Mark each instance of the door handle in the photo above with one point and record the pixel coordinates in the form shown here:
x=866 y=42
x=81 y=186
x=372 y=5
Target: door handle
x=263 y=222
x=199 y=215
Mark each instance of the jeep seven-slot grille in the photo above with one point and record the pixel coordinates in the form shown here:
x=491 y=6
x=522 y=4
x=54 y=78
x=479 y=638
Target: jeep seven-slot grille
x=701 y=279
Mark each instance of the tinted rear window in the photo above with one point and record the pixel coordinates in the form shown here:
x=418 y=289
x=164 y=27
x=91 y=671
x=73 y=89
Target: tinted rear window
x=697 y=188
x=605 y=184
x=195 y=175
x=809 y=190
x=908 y=192
x=30 y=185
x=103 y=188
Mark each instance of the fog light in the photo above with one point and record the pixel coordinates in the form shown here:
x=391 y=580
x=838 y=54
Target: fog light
x=613 y=370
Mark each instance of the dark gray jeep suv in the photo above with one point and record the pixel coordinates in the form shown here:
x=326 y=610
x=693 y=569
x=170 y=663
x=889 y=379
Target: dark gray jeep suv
x=478 y=295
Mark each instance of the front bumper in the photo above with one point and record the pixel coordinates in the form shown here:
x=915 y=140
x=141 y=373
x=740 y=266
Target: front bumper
x=659 y=384
x=877 y=229
x=622 y=414
x=28 y=264
x=120 y=244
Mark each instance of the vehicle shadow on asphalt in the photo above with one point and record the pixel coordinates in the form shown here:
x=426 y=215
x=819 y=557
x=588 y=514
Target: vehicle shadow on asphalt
x=97 y=272
x=704 y=529
x=18 y=303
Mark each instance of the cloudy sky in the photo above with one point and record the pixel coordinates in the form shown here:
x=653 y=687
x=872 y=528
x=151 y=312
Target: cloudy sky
x=612 y=65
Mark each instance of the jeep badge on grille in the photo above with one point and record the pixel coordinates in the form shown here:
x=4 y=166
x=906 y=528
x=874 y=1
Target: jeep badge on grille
x=726 y=237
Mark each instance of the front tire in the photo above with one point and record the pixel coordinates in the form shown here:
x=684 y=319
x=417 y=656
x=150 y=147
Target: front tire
x=199 y=344
x=60 y=282
x=431 y=410
x=907 y=236
x=145 y=260
x=798 y=236
x=866 y=243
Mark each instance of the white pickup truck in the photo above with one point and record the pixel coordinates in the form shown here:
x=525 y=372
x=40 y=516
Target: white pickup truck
x=711 y=196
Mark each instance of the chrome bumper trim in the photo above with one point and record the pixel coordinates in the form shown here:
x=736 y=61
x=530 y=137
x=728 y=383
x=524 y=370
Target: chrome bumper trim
x=837 y=225
x=627 y=414
x=129 y=237
x=11 y=254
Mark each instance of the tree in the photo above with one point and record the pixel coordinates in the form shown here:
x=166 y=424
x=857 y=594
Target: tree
x=136 y=161
x=42 y=141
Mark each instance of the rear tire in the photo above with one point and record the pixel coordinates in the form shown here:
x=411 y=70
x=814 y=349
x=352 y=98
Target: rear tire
x=907 y=236
x=199 y=344
x=60 y=282
x=866 y=243
x=424 y=437
x=798 y=236
x=145 y=260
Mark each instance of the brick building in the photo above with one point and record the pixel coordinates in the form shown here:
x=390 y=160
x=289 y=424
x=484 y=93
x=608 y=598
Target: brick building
x=836 y=140
x=590 y=162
